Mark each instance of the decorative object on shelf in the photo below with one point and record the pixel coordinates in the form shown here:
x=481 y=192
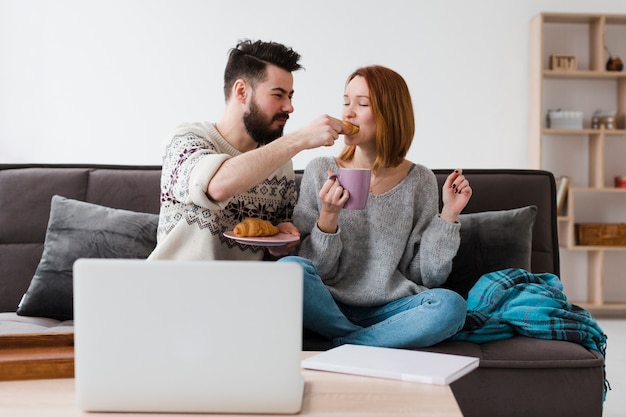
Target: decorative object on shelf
x=604 y=119
x=562 y=185
x=620 y=181
x=565 y=119
x=563 y=62
x=601 y=234
x=614 y=62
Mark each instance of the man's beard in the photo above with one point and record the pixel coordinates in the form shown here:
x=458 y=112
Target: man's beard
x=259 y=128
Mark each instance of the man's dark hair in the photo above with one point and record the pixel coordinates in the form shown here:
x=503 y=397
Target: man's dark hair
x=248 y=61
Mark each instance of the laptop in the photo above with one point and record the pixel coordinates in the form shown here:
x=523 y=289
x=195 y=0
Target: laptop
x=188 y=336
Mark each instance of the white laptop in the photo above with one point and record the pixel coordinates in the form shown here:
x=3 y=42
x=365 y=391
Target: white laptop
x=188 y=336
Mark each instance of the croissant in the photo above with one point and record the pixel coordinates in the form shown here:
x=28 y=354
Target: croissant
x=353 y=128
x=252 y=226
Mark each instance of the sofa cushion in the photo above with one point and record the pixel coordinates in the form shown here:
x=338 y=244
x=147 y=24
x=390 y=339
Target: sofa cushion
x=11 y=324
x=491 y=241
x=77 y=229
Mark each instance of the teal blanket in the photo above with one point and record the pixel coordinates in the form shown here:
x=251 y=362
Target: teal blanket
x=512 y=302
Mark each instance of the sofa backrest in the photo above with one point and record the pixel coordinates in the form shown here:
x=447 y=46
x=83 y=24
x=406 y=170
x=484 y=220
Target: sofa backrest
x=27 y=189
x=503 y=189
x=26 y=193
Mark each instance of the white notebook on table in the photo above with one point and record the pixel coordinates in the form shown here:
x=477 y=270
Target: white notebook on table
x=402 y=364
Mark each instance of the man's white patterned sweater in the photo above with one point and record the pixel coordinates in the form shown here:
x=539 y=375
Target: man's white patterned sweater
x=191 y=225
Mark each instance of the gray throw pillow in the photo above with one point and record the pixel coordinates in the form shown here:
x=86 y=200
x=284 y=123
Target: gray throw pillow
x=491 y=241
x=77 y=229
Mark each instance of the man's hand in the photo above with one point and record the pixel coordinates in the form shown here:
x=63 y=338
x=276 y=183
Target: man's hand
x=323 y=131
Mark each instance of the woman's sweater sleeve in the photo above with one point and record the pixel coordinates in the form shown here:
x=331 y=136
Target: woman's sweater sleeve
x=436 y=242
x=323 y=249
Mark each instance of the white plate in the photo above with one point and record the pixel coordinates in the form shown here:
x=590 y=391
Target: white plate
x=280 y=239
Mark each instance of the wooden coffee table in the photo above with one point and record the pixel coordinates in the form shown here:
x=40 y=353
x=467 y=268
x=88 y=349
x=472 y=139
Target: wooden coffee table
x=325 y=394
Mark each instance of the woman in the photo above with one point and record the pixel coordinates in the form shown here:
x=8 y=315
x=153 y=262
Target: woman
x=371 y=276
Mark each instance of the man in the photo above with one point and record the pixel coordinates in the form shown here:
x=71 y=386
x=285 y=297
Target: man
x=215 y=175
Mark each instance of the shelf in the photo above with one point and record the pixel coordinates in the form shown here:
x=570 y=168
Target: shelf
x=604 y=310
x=595 y=248
x=585 y=74
x=583 y=132
x=597 y=190
x=590 y=157
x=590 y=18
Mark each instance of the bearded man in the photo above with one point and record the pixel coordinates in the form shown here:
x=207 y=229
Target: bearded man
x=216 y=174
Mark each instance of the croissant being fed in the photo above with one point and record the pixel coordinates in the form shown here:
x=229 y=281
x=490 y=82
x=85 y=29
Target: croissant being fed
x=255 y=227
x=353 y=128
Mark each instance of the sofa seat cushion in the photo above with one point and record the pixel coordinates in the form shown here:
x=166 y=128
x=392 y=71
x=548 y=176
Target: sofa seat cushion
x=11 y=323
x=524 y=352
x=518 y=352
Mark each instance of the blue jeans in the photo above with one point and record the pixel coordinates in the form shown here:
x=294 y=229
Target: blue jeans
x=418 y=320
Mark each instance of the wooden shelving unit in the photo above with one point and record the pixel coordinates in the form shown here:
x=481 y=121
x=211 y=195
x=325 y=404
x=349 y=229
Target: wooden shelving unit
x=582 y=154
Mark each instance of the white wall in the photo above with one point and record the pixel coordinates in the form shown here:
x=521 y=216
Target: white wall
x=104 y=81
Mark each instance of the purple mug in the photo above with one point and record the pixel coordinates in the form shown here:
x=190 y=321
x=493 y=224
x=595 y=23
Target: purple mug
x=357 y=182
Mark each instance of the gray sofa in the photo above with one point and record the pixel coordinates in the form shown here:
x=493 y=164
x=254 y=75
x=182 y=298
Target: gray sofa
x=519 y=376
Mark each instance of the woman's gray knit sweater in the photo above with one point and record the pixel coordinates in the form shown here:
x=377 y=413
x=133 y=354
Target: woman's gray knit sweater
x=397 y=246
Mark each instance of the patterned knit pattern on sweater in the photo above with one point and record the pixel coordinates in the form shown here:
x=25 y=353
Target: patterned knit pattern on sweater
x=191 y=225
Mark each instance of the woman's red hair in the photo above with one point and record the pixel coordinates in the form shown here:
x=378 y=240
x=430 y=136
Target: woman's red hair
x=392 y=110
